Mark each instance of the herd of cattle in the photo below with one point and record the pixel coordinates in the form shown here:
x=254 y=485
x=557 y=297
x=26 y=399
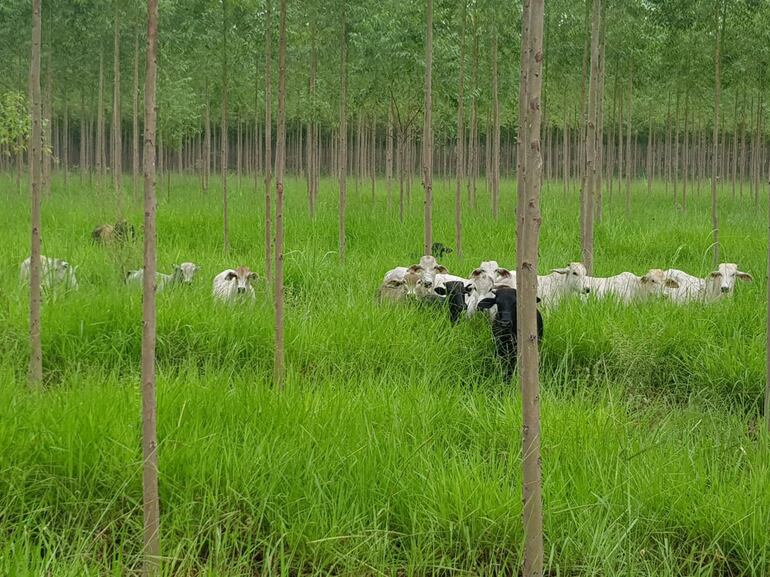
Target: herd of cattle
x=492 y=288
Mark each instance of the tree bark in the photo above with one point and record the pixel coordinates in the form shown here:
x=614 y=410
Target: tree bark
x=343 y=133
x=719 y=30
x=389 y=157
x=135 y=120
x=35 y=169
x=100 y=126
x=527 y=301
x=151 y=499
x=117 y=144
x=495 y=158
x=629 y=154
x=473 y=152
x=459 y=152
x=590 y=172
x=686 y=152
x=427 y=133
x=268 y=138
x=48 y=142
x=225 y=143
x=279 y=364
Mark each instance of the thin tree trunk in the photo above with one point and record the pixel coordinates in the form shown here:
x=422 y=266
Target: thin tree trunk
x=473 y=152
x=117 y=144
x=527 y=302
x=675 y=167
x=151 y=499
x=35 y=169
x=343 y=134
x=135 y=120
x=389 y=157
x=686 y=152
x=495 y=160
x=734 y=169
x=100 y=126
x=589 y=174
x=719 y=30
x=66 y=141
x=427 y=133
x=279 y=365
x=460 y=160
x=225 y=141
x=268 y=138
x=629 y=155
x=47 y=122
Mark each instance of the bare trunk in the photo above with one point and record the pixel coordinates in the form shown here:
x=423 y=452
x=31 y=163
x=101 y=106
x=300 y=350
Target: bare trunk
x=473 y=152
x=427 y=133
x=343 y=135
x=675 y=164
x=135 y=120
x=117 y=143
x=719 y=30
x=225 y=142
x=268 y=138
x=279 y=366
x=527 y=301
x=47 y=122
x=35 y=169
x=389 y=157
x=459 y=152
x=151 y=551
x=100 y=126
x=590 y=172
x=66 y=142
x=629 y=154
x=686 y=152
x=495 y=160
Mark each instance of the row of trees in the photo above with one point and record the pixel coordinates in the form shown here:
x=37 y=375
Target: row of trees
x=654 y=59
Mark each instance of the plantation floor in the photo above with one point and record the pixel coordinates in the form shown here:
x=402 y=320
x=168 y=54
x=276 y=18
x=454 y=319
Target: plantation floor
x=394 y=448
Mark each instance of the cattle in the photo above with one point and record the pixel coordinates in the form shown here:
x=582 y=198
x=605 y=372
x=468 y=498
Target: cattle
x=627 y=286
x=719 y=283
x=455 y=293
x=561 y=282
x=234 y=284
x=440 y=250
x=404 y=282
x=504 y=325
x=505 y=277
x=54 y=272
x=183 y=275
x=119 y=232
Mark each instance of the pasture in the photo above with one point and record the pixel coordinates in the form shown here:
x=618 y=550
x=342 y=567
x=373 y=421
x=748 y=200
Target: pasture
x=394 y=448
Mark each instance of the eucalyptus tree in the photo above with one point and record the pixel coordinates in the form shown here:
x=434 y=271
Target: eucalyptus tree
x=427 y=133
x=279 y=363
x=36 y=160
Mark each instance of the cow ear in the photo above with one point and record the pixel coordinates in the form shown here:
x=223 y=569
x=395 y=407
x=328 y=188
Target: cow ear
x=537 y=299
x=230 y=275
x=439 y=290
x=442 y=269
x=504 y=273
x=486 y=303
x=671 y=283
x=415 y=268
x=476 y=272
x=744 y=276
x=253 y=276
x=715 y=274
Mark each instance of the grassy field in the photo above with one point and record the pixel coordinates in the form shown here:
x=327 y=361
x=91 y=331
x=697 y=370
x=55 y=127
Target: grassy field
x=395 y=447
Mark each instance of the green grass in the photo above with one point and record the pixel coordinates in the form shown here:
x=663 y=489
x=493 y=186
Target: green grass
x=395 y=447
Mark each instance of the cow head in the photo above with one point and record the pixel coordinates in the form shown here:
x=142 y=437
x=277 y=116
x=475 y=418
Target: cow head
x=725 y=275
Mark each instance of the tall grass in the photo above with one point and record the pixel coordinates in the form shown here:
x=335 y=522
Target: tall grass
x=395 y=447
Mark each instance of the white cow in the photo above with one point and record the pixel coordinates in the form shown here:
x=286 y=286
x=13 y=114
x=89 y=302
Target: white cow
x=713 y=287
x=233 y=284
x=402 y=282
x=627 y=286
x=53 y=272
x=572 y=279
x=183 y=274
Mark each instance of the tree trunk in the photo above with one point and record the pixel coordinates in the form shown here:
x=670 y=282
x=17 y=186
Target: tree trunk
x=389 y=157
x=495 y=160
x=135 y=120
x=629 y=154
x=427 y=133
x=734 y=159
x=527 y=300
x=66 y=141
x=459 y=152
x=47 y=123
x=151 y=551
x=225 y=140
x=100 y=126
x=686 y=152
x=117 y=144
x=279 y=367
x=719 y=31
x=35 y=169
x=675 y=167
x=473 y=152
x=268 y=138
x=343 y=134
x=590 y=172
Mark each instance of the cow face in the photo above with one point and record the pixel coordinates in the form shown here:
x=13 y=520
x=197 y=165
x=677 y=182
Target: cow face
x=454 y=292
x=724 y=277
x=242 y=277
x=655 y=281
x=185 y=273
x=575 y=277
